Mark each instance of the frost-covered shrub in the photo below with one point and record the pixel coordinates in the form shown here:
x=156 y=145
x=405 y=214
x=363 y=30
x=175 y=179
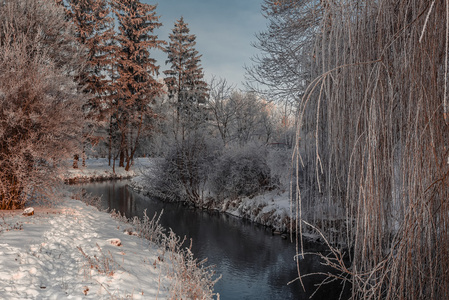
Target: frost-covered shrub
x=186 y=168
x=191 y=279
x=241 y=172
x=279 y=160
x=39 y=112
x=162 y=182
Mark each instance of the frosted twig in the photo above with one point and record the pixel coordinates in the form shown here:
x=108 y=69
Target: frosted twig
x=425 y=23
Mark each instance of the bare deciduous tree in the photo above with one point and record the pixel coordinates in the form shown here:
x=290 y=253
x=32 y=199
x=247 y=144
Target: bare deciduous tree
x=39 y=107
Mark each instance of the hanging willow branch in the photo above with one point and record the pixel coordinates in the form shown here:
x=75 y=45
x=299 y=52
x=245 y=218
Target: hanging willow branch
x=376 y=106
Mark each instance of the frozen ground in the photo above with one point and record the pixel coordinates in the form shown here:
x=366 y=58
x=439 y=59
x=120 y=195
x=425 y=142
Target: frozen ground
x=98 y=169
x=41 y=257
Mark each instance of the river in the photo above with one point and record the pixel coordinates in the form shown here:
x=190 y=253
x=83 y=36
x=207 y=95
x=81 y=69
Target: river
x=254 y=264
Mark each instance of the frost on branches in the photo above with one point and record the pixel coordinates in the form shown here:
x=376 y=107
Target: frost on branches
x=135 y=87
x=185 y=78
x=39 y=107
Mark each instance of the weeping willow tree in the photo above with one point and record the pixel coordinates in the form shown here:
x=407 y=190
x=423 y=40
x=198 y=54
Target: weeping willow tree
x=379 y=105
x=376 y=106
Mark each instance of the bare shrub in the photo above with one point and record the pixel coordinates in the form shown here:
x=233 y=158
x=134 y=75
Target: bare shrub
x=241 y=171
x=39 y=110
x=103 y=263
x=192 y=279
x=149 y=229
x=184 y=173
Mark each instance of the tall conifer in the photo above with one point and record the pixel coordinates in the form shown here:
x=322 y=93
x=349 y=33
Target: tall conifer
x=185 y=77
x=135 y=86
x=94 y=29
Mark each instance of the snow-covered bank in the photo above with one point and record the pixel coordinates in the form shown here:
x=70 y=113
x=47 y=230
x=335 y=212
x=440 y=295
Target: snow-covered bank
x=270 y=209
x=41 y=258
x=71 y=252
x=97 y=169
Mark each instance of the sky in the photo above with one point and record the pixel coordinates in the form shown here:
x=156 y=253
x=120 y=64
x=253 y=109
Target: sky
x=224 y=32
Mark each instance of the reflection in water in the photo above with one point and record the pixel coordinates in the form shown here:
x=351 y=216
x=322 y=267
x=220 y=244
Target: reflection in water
x=254 y=264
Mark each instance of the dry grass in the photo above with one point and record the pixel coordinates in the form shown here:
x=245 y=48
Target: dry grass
x=191 y=279
x=103 y=263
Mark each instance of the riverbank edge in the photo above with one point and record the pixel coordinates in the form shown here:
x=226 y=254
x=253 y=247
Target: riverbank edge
x=271 y=209
x=252 y=213
x=96 y=170
x=87 y=179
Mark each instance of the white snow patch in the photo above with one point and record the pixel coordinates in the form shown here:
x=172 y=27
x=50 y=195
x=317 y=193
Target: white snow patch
x=28 y=211
x=99 y=169
x=271 y=209
x=40 y=257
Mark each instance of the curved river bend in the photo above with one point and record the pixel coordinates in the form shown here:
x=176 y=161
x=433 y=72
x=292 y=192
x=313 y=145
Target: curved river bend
x=254 y=264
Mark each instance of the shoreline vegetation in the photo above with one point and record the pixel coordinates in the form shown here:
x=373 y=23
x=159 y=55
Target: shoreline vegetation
x=270 y=208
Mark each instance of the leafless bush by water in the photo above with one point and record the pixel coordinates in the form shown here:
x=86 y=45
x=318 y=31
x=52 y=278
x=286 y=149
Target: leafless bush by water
x=192 y=279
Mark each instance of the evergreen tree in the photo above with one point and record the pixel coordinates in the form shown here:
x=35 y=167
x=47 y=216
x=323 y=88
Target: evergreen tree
x=135 y=86
x=94 y=29
x=185 y=77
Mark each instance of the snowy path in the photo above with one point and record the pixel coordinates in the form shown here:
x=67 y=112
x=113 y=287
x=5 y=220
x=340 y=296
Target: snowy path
x=39 y=257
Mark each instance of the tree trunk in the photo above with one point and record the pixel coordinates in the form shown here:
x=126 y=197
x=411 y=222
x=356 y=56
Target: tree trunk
x=75 y=161
x=122 y=159
x=84 y=156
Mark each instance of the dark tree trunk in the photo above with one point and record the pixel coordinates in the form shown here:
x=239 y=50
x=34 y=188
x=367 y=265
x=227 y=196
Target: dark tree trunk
x=75 y=161
x=122 y=159
x=84 y=156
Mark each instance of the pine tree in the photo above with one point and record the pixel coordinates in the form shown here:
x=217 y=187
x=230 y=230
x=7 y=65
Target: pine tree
x=135 y=86
x=185 y=77
x=94 y=29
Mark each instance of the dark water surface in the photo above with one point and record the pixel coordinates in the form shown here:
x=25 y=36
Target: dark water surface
x=254 y=263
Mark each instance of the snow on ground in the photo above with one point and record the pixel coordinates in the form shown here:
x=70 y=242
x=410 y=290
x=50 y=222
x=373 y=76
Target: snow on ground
x=270 y=209
x=99 y=169
x=67 y=253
